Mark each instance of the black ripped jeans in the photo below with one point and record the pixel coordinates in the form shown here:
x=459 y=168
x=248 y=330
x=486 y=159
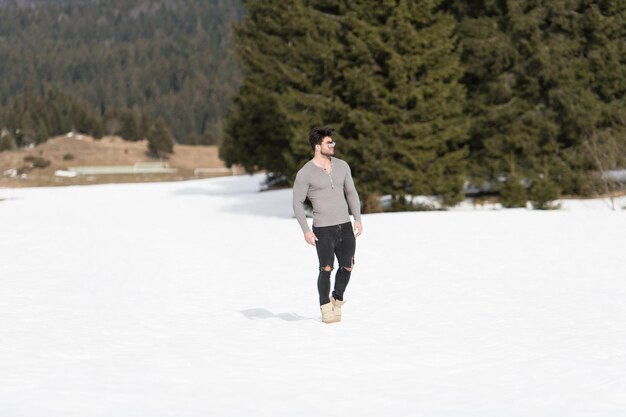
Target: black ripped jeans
x=334 y=241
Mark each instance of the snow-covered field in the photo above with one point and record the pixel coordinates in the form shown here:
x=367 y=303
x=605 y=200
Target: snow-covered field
x=199 y=299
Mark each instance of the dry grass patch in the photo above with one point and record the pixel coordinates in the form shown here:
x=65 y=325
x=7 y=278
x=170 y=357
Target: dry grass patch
x=64 y=152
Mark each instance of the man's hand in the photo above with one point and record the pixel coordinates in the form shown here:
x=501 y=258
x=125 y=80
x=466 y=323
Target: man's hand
x=358 y=228
x=310 y=238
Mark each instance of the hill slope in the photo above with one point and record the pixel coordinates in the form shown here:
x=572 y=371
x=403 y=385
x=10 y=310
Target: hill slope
x=64 y=152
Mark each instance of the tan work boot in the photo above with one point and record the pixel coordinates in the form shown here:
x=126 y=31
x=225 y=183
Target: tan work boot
x=337 y=308
x=327 y=313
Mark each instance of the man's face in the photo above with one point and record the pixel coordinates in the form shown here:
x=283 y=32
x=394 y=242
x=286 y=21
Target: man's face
x=328 y=146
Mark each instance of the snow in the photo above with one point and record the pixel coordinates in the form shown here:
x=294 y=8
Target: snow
x=64 y=173
x=199 y=299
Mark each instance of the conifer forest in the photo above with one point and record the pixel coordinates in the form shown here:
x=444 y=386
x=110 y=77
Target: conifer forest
x=521 y=98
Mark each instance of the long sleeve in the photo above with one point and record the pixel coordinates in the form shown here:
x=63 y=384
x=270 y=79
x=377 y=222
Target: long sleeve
x=352 y=196
x=300 y=189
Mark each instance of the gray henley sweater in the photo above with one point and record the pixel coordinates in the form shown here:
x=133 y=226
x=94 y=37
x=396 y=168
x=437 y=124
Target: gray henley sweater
x=330 y=194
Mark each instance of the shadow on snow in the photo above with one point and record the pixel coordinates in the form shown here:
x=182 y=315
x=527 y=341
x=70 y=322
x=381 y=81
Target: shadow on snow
x=261 y=313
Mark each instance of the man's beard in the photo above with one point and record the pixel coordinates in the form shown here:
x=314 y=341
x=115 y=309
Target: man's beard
x=327 y=153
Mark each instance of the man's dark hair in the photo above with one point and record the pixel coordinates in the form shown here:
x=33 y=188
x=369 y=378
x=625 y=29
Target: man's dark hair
x=318 y=133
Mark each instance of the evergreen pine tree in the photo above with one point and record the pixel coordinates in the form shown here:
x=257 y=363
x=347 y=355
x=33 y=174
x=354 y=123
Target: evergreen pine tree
x=112 y=124
x=269 y=118
x=210 y=137
x=133 y=124
x=407 y=94
x=385 y=75
x=160 y=141
x=257 y=134
x=63 y=113
x=513 y=193
x=544 y=191
x=7 y=141
x=542 y=78
x=603 y=131
x=193 y=139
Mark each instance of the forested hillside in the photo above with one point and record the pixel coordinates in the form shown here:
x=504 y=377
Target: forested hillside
x=122 y=58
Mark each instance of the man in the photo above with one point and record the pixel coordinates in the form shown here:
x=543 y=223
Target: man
x=327 y=182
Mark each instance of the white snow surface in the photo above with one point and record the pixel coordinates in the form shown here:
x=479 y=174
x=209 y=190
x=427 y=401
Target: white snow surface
x=199 y=299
